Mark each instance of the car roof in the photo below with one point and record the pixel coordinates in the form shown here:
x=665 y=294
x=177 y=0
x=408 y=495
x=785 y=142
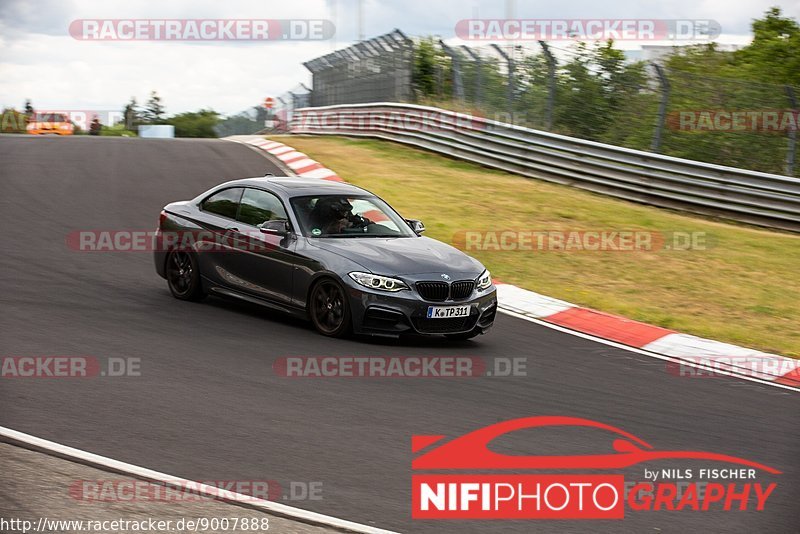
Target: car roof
x=293 y=186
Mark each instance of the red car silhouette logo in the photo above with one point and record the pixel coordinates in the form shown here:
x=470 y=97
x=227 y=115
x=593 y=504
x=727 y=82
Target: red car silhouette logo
x=471 y=451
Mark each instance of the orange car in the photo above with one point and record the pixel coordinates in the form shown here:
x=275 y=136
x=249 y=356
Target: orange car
x=50 y=123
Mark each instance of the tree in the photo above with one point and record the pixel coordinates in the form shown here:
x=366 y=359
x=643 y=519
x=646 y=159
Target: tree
x=424 y=73
x=130 y=114
x=581 y=109
x=154 y=110
x=774 y=54
x=195 y=123
x=29 y=111
x=533 y=87
x=620 y=80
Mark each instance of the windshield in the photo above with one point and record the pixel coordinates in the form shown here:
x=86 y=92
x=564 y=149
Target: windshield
x=343 y=216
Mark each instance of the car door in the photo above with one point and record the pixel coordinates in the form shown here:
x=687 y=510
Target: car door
x=262 y=263
x=217 y=214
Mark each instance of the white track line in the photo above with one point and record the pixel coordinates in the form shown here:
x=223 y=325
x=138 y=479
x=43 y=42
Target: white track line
x=103 y=462
x=643 y=352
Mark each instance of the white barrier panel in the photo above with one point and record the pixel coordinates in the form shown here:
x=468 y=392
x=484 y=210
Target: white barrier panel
x=158 y=131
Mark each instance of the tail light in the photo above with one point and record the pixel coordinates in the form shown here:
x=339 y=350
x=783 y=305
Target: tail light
x=162 y=218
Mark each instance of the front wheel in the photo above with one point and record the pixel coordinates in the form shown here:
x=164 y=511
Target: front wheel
x=183 y=276
x=329 y=309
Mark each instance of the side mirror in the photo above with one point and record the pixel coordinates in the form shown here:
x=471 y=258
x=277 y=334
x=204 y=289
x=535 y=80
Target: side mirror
x=416 y=225
x=275 y=227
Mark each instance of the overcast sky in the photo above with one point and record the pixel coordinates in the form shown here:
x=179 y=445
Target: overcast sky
x=41 y=61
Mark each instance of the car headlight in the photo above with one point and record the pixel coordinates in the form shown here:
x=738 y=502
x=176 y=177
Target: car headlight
x=484 y=281
x=374 y=281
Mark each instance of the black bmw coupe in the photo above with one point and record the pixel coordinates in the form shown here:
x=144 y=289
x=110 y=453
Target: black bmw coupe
x=329 y=252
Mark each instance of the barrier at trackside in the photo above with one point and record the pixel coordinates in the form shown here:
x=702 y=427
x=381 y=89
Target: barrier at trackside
x=758 y=198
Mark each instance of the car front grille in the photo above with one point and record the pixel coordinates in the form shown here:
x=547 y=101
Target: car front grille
x=441 y=291
x=433 y=291
x=461 y=290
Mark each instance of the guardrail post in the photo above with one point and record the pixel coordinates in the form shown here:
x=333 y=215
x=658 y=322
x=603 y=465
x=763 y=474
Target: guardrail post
x=478 y=73
x=458 y=86
x=662 y=107
x=551 y=84
x=511 y=68
x=791 y=149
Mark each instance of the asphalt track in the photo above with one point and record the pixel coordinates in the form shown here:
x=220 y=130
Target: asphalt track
x=209 y=406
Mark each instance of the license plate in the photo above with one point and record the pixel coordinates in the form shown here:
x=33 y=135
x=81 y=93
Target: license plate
x=446 y=312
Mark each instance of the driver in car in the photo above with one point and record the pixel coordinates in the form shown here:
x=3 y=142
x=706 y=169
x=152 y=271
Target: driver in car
x=336 y=215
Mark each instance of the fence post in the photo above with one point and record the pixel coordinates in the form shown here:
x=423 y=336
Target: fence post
x=287 y=116
x=310 y=92
x=458 y=86
x=551 y=84
x=511 y=67
x=662 y=107
x=478 y=74
x=293 y=104
x=791 y=149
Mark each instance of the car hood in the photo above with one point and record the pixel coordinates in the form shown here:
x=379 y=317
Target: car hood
x=403 y=256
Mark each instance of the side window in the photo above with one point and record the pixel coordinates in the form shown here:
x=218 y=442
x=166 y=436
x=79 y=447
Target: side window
x=259 y=206
x=224 y=203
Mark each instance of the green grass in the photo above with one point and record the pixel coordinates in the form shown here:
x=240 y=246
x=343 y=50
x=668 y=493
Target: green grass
x=744 y=288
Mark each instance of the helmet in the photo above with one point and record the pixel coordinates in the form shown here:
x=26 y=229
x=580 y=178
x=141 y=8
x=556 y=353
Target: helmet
x=340 y=206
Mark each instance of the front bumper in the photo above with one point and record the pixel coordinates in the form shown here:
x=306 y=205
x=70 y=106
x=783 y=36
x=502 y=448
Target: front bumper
x=405 y=312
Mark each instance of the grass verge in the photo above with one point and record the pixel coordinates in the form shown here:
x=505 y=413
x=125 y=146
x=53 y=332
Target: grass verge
x=741 y=286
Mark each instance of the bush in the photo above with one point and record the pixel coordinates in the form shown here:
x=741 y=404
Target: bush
x=117 y=130
x=195 y=123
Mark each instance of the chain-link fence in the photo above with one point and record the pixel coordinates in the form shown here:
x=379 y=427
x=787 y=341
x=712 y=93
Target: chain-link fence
x=260 y=119
x=245 y=122
x=375 y=70
x=594 y=92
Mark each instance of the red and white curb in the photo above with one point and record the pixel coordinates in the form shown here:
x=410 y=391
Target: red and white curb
x=14 y=437
x=297 y=162
x=688 y=350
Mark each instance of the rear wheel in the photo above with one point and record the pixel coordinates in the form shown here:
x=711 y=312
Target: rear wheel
x=329 y=309
x=183 y=276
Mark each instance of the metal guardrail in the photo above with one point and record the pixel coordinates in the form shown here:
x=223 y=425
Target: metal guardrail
x=747 y=196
